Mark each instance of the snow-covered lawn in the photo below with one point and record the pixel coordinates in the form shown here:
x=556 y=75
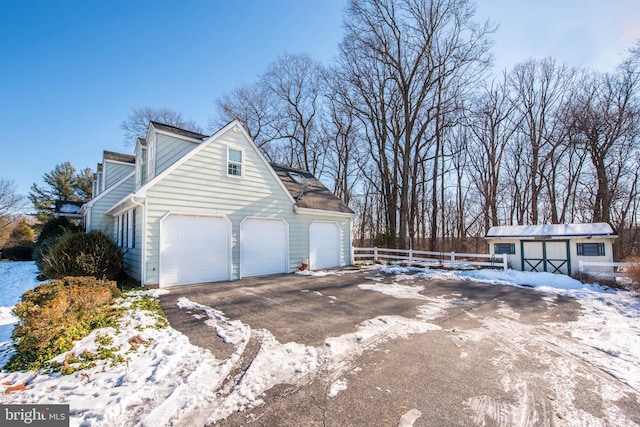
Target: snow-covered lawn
x=165 y=380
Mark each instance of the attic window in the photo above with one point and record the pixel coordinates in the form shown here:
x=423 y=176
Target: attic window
x=234 y=162
x=297 y=178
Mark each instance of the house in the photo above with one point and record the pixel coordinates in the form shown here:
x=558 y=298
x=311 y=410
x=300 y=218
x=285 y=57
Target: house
x=190 y=208
x=554 y=248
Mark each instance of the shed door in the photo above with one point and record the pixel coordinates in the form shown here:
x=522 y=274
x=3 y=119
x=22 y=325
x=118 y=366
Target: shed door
x=263 y=247
x=546 y=255
x=324 y=245
x=194 y=249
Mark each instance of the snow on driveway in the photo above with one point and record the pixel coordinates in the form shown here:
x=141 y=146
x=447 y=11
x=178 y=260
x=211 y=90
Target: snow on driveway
x=170 y=381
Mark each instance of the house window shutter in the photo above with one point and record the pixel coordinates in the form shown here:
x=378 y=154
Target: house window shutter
x=130 y=228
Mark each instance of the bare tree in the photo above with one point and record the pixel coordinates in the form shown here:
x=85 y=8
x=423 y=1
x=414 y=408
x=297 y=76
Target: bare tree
x=294 y=83
x=137 y=122
x=407 y=60
x=251 y=105
x=491 y=121
x=607 y=124
x=540 y=88
x=11 y=203
x=341 y=131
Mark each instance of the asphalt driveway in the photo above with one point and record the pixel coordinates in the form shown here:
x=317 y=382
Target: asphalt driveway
x=493 y=355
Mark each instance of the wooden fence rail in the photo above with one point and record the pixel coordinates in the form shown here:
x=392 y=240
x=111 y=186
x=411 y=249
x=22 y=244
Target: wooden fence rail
x=450 y=259
x=607 y=269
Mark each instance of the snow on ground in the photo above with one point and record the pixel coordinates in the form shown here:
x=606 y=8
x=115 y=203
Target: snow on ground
x=166 y=380
x=610 y=320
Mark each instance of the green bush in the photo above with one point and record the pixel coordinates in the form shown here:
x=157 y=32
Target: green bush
x=41 y=250
x=56 y=227
x=83 y=254
x=55 y=314
x=18 y=253
x=51 y=232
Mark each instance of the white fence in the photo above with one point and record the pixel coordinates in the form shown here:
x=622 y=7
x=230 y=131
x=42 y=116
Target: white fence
x=442 y=259
x=603 y=269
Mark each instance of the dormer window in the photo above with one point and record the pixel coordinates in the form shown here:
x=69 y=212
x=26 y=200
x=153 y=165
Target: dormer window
x=235 y=162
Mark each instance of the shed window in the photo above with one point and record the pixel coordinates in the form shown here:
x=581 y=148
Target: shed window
x=234 y=162
x=504 y=248
x=591 y=249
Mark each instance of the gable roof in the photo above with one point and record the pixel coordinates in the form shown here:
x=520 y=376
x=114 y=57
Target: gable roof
x=315 y=197
x=179 y=131
x=119 y=157
x=311 y=193
x=553 y=230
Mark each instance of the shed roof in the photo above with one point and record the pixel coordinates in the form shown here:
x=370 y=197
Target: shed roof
x=552 y=230
x=178 y=131
x=118 y=157
x=310 y=193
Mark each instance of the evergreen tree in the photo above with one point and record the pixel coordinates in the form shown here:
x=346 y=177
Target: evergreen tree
x=62 y=183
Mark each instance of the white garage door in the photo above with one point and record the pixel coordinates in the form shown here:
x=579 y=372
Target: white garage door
x=194 y=249
x=324 y=245
x=263 y=247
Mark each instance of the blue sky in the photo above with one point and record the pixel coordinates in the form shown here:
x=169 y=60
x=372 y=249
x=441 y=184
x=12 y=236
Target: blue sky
x=71 y=71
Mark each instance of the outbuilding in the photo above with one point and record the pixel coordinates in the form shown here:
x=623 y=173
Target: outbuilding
x=554 y=248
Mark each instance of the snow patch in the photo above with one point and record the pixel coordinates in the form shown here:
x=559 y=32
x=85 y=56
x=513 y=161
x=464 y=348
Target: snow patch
x=409 y=418
x=336 y=387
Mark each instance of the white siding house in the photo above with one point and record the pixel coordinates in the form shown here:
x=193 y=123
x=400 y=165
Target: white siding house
x=554 y=248
x=199 y=208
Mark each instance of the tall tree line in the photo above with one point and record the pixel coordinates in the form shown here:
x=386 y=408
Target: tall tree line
x=411 y=130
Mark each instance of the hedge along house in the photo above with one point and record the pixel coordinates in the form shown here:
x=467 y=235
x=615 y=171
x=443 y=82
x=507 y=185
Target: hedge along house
x=211 y=208
x=554 y=248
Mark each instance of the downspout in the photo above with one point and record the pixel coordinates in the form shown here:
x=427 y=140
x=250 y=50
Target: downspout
x=143 y=270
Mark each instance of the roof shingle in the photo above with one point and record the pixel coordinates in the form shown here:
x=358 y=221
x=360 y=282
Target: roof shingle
x=310 y=194
x=179 y=131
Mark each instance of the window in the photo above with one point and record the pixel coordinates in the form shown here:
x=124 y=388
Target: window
x=126 y=229
x=234 y=162
x=504 y=248
x=591 y=249
x=131 y=228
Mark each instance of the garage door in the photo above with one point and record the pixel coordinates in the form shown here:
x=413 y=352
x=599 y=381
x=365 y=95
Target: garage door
x=263 y=247
x=324 y=245
x=194 y=249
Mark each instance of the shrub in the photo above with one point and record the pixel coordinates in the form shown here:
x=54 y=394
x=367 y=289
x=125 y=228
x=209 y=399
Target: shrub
x=633 y=273
x=21 y=235
x=41 y=250
x=56 y=227
x=53 y=315
x=18 y=253
x=83 y=254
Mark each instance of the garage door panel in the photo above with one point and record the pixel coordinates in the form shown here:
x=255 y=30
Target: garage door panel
x=194 y=249
x=263 y=247
x=324 y=245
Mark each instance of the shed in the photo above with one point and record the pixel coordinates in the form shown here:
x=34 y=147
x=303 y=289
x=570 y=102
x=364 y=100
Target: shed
x=554 y=248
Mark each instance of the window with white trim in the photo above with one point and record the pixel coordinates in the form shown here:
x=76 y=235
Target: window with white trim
x=126 y=229
x=235 y=162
